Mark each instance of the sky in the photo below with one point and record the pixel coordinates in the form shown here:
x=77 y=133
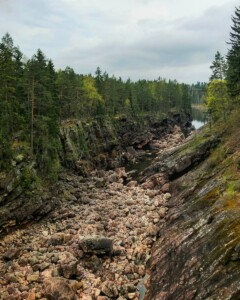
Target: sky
x=137 y=39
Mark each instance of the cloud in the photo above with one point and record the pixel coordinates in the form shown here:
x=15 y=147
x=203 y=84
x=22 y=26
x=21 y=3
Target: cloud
x=159 y=47
x=131 y=38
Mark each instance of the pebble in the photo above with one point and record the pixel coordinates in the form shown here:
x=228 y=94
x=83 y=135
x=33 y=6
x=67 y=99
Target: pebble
x=32 y=277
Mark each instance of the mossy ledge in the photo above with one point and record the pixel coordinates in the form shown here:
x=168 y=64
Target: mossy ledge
x=198 y=253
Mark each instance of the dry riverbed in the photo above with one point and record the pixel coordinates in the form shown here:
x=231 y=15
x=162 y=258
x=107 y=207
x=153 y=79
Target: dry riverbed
x=96 y=246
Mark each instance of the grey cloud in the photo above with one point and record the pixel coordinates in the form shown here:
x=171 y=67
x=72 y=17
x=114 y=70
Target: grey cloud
x=180 y=47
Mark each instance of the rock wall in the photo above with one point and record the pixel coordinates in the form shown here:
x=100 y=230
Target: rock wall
x=101 y=144
x=95 y=246
x=22 y=195
x=197 y=253
x=108 y=144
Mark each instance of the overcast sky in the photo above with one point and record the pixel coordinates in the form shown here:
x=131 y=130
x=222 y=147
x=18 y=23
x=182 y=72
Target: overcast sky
x=174 y=39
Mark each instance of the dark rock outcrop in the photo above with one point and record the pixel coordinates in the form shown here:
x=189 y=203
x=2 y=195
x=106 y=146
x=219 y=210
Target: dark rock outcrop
x=179 y=160
x=96 y=245
x=21 y=197
x=107 y=144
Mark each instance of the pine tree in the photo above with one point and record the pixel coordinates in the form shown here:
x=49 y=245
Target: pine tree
x=218 y=67
x=99 y=80
x=233 y=57
x=12 y=114
x=40 y=79
x=8 y=103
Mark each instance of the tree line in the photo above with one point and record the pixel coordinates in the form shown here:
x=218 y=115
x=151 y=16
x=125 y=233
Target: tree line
x=35 y=99
x=223 y=92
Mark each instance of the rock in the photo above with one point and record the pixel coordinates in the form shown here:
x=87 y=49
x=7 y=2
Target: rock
x=33 y=277
x=45 y=233
x=162 y=212
x=43 y=266
x=56 y=288
x=113 y=178
x=11 y=254
x=131 y=295
x=132 y=183
x=93 y=262
x=183 y=164
x=100 y=182
x=121 y=172
x=109 y=289
x=96 y=245
x=86 y=297
x=56 y=239
x=152 y=230
x=127 y=288
x=165 y=188
x=130 y=202
x=31 y=296
x=148 y=185
x=97 y=293
x=167 y=196
x=68 y=265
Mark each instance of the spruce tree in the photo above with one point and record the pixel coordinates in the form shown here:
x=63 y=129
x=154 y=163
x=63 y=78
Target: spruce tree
x=233 y=57
x=218 y=67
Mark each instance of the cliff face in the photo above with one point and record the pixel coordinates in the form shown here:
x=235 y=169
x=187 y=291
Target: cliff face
x=100 y=144
x=22 y=196
x=109 y=144
x=198 y=253
x=84 y=145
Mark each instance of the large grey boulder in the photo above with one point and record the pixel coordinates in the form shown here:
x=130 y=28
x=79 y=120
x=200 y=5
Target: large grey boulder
x=98 y=245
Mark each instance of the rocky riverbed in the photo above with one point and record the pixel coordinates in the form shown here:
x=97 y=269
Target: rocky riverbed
x=97 y=244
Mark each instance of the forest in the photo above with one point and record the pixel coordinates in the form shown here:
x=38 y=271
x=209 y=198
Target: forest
x=35 y=99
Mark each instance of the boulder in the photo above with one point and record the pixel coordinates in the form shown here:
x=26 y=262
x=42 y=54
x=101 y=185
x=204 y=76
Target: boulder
x=109 y=289
x=56 y=239
x=68 y=264
x=96 y=245
x=56 y=288
x=11 y=254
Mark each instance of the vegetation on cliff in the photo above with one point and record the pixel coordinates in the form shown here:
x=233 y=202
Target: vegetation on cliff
x=35 y=99
x=224 y=88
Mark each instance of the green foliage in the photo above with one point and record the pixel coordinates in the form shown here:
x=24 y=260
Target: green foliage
x=215 y=158
x=230 y=190
x=5 y=153
x=34 y=99
x=217 y=98
x=28 y=177
x=82 y=140
x=127 y=105
x=218 y=67
x=29 y=180
x=233 y=58
x=198 y=93
x=93 y=103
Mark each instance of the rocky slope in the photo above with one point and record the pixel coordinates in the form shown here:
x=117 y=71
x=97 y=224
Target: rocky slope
x=174 y=234
x=197 y=253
